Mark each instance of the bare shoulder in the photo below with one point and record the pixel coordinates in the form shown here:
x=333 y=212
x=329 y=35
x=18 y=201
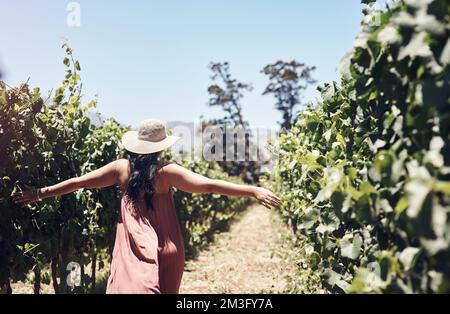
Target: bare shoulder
x=165 y=169
x=170 y=172
x=122 y=165
x=170 y=167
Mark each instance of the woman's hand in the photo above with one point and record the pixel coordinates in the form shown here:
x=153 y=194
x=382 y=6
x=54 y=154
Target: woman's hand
x=266 y=197
x=26 y=197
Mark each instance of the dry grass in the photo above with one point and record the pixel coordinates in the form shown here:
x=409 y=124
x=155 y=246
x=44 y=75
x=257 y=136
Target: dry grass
x=27 y=288
x=242 y=260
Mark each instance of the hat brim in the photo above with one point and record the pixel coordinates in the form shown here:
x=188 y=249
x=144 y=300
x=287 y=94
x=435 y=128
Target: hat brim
x=132 y=143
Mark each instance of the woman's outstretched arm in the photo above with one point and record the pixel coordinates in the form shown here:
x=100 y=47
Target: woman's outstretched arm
x=105 y=176
x=191 y=182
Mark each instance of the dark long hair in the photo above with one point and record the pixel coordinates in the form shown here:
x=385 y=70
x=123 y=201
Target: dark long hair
x=143 y=172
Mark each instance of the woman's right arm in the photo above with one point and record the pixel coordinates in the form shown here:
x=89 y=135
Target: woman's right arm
x=191 y=182
x=105 y=176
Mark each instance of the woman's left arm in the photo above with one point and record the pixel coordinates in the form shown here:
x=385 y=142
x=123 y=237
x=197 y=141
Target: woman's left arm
x=105 y=176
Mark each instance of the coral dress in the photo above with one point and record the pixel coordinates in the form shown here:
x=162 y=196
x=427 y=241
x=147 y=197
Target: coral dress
x=148 y=254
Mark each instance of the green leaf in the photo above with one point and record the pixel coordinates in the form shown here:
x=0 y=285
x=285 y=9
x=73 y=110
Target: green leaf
x=333 y=177
x=309 y=219
x=402 y=204
x=417 y=47
x=366 y=281
x=442 y=186
x=66 y=62
x=351 y=246
x=433 y=247
x=436 y=281
x=382 y=167
x=417 y=190
x=445 y=55
x=354 y=192
x=313 y=260
x=408 y=257
x=433 y=156
x=367 y=188
x=323 y=228
x=92 y=104
x=363 y=210
x=331 y=277
x=337 y=199
x=389 y=35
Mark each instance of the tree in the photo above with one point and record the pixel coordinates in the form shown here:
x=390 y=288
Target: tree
x=227 y=97
x=287 y=82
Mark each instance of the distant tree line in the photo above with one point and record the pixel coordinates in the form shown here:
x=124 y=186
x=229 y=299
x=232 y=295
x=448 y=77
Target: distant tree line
x=287 y=82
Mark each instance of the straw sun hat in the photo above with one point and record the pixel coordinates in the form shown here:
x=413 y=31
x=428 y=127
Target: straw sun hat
x=151 y=137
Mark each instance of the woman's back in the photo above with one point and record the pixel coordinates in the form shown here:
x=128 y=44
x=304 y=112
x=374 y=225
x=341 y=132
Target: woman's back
x=149 y=252
x=161 y=184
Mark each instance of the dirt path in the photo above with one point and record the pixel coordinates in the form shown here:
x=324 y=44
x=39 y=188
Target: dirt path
x=242 y=260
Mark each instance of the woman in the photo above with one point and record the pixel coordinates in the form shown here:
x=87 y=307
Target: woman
x=148 y=255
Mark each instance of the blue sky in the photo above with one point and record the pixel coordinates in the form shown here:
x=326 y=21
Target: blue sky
x=149 y=58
